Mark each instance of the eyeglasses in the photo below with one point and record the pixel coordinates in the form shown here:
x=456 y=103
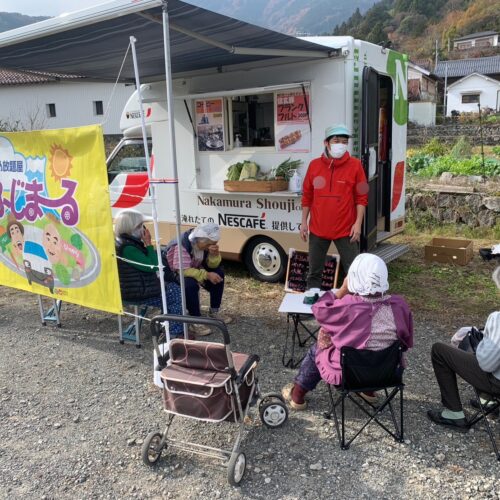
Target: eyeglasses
x=339 y=140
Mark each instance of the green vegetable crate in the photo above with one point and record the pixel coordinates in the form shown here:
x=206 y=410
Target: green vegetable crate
x=252 y=186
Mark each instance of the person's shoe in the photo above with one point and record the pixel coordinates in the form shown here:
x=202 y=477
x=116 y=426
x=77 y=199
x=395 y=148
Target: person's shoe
x=225 y=318
x=459 y=424
x=200 y=330
x=369 y=397
x=286 y=392
x=475 y=404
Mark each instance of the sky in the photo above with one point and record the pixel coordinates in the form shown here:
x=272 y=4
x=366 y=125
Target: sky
x=47 y=7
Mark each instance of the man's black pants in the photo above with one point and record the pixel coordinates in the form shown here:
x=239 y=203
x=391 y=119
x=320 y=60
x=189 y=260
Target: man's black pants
x=448 y=362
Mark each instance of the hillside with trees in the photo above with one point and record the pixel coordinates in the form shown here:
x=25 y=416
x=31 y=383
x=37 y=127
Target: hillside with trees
x=413 y=26
x=13 y=20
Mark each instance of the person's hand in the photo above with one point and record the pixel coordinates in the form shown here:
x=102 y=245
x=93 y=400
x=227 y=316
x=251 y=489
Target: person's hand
x=214 y=278
x=355 y=233
x=213 y=250
x=146 y=236
x=343 y=290
x=304 y=231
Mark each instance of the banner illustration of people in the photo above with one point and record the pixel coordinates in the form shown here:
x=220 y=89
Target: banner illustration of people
x=56 y=235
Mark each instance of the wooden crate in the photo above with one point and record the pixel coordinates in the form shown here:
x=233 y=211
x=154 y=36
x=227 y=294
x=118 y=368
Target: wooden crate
x=449 y=251
x=256 y=186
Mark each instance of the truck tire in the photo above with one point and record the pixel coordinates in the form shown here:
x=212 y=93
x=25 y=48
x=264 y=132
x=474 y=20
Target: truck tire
x=265 y=259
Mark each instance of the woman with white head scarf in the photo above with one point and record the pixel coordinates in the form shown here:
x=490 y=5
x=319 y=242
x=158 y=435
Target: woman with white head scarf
x=480 y=369
x=361 y=315
x=201 y=264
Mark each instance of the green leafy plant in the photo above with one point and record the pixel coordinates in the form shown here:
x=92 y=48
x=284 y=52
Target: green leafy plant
x=419 y=161
x=464 y=166
x=435 y=148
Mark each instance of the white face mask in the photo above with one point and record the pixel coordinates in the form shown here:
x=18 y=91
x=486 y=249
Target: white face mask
x=338 y=150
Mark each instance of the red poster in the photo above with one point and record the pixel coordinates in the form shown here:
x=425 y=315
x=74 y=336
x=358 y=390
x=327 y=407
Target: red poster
x=293 y=129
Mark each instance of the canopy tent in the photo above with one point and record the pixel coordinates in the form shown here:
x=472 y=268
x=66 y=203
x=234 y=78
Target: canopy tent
x=92 y=42
x=174 y=38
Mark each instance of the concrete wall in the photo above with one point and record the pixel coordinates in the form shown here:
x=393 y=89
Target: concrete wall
x=422 y=113
x=74 y=102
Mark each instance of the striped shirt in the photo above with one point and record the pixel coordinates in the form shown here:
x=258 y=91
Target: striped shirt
x=488 y=350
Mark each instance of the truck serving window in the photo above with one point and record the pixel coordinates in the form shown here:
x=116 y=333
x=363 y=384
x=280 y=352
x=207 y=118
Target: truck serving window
x=252 y=120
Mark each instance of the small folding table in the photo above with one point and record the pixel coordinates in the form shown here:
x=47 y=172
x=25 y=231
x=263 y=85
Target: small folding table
x=296 y=314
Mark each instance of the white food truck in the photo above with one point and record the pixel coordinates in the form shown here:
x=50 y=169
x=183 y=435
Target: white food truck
x=240 y=92
x=267 y=115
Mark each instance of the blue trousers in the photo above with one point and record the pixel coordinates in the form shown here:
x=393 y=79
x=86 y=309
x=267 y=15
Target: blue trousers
x=193 y=293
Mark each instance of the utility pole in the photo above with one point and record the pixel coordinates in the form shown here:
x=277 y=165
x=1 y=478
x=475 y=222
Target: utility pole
x=481 y=133
x=445 y=90
x=436 y=62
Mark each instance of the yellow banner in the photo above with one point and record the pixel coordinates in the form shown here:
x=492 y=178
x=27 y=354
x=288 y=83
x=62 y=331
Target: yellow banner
x=56 y=233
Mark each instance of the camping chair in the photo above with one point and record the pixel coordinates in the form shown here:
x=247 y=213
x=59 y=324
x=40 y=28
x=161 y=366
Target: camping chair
x=482 y=414
x=364 y=370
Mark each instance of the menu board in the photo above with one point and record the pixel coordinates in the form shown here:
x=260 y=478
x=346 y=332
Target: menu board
x=298 y=267
x=210 y=124
x=293 y=121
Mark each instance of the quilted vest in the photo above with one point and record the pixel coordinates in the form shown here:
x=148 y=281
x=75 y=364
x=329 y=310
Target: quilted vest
x=135 y=285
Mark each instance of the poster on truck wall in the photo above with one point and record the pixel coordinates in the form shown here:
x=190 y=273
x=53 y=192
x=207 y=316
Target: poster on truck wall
x=210 y=124
x=292 y=117
x=56 y=233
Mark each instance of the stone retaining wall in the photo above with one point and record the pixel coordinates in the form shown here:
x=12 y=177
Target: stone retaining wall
x=471 y=209
x=450 y=133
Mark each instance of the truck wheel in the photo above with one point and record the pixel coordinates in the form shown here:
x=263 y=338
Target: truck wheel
x=265 y=259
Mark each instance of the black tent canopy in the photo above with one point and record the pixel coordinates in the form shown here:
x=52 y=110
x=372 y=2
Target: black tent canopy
x=92 y=42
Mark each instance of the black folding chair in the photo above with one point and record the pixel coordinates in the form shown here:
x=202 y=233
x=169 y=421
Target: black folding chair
x=482 y=414
x=364 y=370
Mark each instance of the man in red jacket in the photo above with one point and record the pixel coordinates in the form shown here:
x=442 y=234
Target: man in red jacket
x=335 y=195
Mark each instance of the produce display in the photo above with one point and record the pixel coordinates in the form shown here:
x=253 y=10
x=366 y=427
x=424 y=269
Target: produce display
x=249 y=171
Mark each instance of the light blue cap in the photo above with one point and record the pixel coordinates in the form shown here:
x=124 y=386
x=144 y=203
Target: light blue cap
x=339 y=129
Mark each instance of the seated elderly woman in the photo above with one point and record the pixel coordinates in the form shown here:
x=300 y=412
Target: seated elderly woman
x=481 y=370
x=201 y=264
x=138 y=266
x=361 y=315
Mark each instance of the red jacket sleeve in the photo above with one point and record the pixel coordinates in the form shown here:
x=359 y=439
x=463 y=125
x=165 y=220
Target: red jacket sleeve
x=361 y=193
x=307 y=188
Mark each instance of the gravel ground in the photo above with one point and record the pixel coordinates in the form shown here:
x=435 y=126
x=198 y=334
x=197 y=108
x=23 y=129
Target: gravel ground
x=75 y=406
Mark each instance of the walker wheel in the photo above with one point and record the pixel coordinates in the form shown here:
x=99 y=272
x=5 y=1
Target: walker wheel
x=151 y=448
x=236 y=468
x=273 y=413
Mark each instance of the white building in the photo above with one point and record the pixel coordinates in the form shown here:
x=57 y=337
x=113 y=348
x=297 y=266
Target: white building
x=33 y=100
x=465 y=94
x=481 y=40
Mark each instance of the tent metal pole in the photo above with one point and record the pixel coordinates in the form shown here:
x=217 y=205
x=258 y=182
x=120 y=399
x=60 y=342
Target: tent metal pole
x=173 y=153
x=152 y=186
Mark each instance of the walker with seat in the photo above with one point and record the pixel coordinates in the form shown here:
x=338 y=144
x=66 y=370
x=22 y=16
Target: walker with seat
x=206 y=381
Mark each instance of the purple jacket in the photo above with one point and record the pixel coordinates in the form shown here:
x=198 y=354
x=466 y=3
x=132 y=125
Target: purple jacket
x=349 y=322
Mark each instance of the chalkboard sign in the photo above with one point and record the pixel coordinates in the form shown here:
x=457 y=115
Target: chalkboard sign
x=298 y=267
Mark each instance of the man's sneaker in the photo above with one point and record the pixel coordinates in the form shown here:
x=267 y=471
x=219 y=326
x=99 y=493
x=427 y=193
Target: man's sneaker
x=221 y=317
x=200 y=330
x=459 y=424
x=475 y=404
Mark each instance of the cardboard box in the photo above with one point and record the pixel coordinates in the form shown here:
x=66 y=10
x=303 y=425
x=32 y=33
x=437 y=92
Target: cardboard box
x=256 y=186
x=449 y=251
